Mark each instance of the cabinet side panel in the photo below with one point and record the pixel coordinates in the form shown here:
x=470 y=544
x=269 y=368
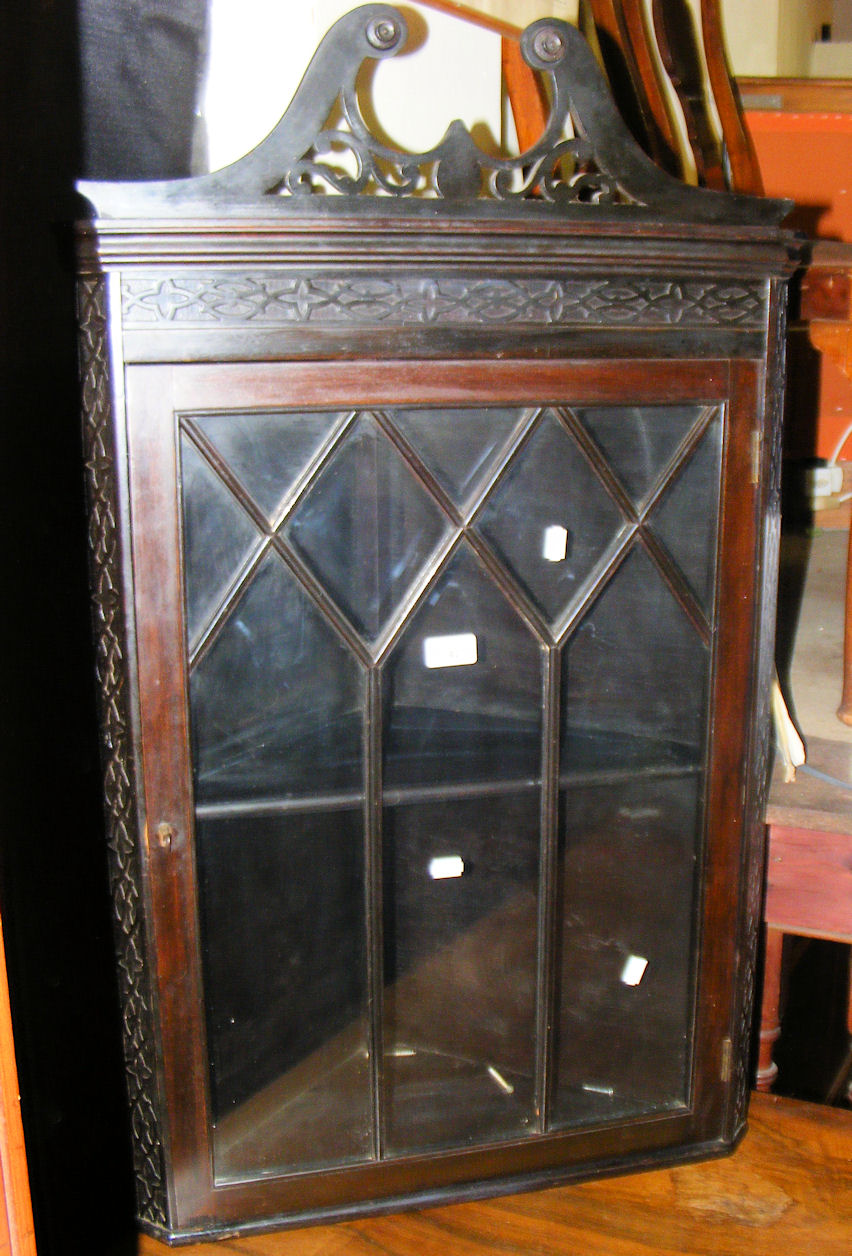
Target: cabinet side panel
x=760 y=750
x=111 y=667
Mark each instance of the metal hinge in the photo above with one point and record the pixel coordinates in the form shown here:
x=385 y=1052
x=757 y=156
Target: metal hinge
x=726 y=1066
x=756 y=451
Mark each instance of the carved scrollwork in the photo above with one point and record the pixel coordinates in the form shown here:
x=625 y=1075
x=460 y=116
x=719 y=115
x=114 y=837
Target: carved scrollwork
x=558 y=170
x=585 y=155
x=119 y=787
x=456 y=169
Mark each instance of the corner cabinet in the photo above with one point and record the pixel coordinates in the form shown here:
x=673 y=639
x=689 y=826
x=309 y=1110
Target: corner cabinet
x=433 y=546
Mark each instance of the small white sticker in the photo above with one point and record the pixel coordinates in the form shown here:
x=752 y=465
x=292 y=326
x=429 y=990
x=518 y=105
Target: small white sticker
x=458 y=650
x=555 y=544
x=444 y=866
x=633 y=970
x=639 y=813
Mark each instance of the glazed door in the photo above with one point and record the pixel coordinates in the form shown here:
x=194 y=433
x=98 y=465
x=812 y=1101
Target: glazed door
x=441 y=751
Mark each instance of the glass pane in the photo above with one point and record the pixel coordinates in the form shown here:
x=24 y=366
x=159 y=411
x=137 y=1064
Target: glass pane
x=463 y=688
x=639 y=442
x=367 y=527
x=550 y=518
x=686 y=520
x=282 y=914
x=218 y=538
x=629 y=872
x=277 y=702
x=461 y=893
x=634 y=678
x=268 y=452
x=459 y=446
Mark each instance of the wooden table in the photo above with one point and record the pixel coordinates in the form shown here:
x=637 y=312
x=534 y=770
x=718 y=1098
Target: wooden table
x=786 y=1191
x=808 y=875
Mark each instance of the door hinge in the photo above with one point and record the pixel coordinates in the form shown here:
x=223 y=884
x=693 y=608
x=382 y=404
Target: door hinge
x=756 y=451
x=726 y=1066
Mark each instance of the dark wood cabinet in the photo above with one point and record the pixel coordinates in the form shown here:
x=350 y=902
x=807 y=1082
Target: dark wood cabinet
x=433 y=552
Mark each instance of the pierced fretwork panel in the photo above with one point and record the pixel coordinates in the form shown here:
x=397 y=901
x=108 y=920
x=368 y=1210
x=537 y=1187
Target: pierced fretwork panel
x=442 y=660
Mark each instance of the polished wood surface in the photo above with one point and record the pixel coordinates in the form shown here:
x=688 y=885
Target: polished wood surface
x=744 y=172
x=787 y=1189
x=796 y=95
x=826 y=284
x=526 y=94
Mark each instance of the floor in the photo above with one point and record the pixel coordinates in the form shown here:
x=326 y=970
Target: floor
x=787 y=1188
x=810 y=623
x=810 y=663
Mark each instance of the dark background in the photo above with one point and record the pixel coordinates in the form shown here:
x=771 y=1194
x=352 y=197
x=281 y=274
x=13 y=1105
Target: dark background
x=129 y=115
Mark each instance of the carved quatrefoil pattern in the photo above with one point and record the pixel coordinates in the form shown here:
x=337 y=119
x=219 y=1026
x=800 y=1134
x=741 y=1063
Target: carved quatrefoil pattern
x=366 y=509
x=279 y=300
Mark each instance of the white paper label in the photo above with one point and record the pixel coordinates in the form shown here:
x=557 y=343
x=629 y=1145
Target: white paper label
x=458 y=650
x=633 y=970
x=444 y=866
x=555 y=543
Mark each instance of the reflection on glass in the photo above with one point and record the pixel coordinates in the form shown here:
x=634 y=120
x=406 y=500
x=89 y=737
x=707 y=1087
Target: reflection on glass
x=628 y=886
x=268 y=452
x=459 y=446
x=461 y=896
x=366 y=527
x=475 y=720
x=639 y=442
x=218 y=538
x=277 y=701
x=550 y=518
x=282 y=914
x=634 y=678
x=686 y=519
x=284 y=837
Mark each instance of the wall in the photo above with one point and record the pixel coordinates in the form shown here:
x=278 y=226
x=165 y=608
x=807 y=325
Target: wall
x=841 y=20
x=832 y=59
x=772 y=37
x=258 y=54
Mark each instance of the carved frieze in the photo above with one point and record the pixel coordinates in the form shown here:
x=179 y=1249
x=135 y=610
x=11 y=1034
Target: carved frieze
x=232 y=300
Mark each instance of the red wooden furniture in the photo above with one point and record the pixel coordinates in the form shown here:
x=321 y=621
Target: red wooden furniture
x=809 y=877
x=634 y=52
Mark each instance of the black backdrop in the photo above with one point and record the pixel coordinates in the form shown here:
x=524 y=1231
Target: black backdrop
x=103 y=89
